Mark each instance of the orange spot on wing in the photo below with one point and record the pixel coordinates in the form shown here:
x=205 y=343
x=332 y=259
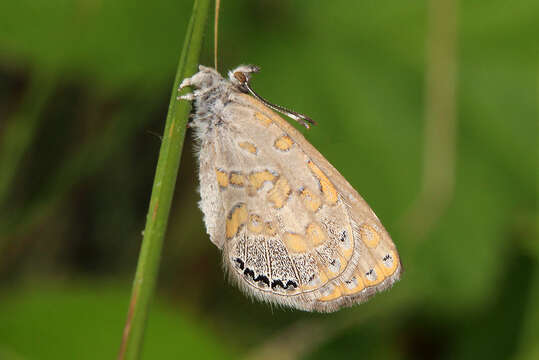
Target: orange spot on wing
x=347 y=253
x=283 y=143
x=389 y=267
x=264 y=120
x=279 y=193
x=236 y=218
x=327 y=188
x=370 y=236
x=315 y=234
x=295 y=243
x=237 y=179
x=257 y=179
x=250 y=147
x=222 y=178
x=355 y=285
x=376 y=278
x=311 y=200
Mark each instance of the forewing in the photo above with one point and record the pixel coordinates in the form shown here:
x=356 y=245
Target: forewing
x=294 y=231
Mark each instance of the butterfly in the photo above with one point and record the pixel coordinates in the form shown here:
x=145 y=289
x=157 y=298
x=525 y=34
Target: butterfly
x=291 y=229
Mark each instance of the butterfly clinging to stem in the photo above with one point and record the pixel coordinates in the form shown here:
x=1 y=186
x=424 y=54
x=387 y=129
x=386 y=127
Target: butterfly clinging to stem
x=291 y=229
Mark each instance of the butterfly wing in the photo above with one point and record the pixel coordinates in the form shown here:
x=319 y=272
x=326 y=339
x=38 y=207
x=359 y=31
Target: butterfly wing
x=293 y=231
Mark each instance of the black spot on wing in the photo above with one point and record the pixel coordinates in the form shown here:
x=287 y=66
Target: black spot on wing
x=279 y=282
x=250 y=273
x=240 y=263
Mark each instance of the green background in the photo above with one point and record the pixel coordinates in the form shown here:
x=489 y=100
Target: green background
x=84 y=90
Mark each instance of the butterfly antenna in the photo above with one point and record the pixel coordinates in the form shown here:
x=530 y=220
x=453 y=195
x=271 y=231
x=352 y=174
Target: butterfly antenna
x=302 y=119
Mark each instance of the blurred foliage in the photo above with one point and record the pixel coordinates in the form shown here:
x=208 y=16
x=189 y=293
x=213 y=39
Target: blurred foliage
x=78 y=159
x=85 y=320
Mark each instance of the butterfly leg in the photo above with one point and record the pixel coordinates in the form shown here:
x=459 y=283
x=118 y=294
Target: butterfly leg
x=185 y=83
x=191 y=96
x=188 y=97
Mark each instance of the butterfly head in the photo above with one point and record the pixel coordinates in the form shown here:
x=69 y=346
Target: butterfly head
x=241 y=76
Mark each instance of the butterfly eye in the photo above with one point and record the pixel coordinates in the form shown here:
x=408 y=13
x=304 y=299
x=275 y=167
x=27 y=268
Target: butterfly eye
x=240 y=77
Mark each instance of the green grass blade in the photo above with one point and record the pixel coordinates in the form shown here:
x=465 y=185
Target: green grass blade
x=162 y=191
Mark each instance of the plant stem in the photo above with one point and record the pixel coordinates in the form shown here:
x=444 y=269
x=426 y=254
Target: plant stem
x=162 y=191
